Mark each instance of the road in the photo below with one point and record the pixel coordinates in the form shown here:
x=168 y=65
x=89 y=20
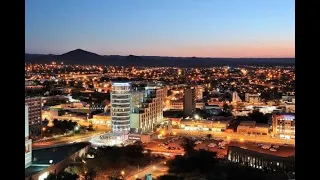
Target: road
x=64 y=140
x=237 y=137
x=156 y=170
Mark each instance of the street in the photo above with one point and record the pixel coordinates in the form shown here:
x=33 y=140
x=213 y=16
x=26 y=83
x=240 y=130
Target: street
x=236 y=137
x=156 y=170
x=64 y=140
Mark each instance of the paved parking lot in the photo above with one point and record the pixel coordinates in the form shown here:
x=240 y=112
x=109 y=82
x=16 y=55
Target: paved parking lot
x=283 y=151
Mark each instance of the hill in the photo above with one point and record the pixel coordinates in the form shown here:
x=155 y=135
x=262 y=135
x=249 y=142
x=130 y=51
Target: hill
x=83 y=57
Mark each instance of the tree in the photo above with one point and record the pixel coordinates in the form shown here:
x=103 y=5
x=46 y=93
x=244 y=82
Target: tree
x=65 y=175
x=188 y=145
x=258 y=116
x=209 y=136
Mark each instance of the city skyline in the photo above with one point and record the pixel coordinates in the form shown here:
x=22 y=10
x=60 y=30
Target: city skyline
x=167 y=28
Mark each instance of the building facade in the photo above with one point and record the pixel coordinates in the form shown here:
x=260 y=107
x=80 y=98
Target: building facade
x=189 y=101
x=283 y=126
x=120 y=107
x=251 y=127
x=235 y=97
x=252 y=98
x=199 y=92
x=144 y=117
x=34 y=115
x=28 y=141
x=260 y=161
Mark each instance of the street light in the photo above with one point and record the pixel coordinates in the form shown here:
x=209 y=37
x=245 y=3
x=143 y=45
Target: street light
x=196 y=116
x=228 y=137
x=122 y=173
x=241 y=139
x=154 y=167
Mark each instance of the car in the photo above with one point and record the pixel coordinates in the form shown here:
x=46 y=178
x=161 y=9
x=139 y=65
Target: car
x=212 y=145
x=275 y=146
x=273 y=149
x=265 y=147
x=222 y=147
x=198 y=142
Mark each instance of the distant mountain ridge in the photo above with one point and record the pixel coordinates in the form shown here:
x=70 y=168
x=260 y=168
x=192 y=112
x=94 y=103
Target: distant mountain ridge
x=83 y=57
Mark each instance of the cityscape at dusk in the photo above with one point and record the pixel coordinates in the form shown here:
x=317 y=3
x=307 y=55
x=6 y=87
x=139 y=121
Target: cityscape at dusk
x=162 y=90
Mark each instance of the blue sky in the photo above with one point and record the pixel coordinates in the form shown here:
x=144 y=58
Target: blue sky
x=207 y=28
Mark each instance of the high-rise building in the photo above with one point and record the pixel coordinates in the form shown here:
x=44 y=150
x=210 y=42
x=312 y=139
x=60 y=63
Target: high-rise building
x=199 y=92
x=283 y=126
x=120 y=107
x=28 y=146
x=189 y=101
x=252 y=98
x=144 y=117
x=34 y=105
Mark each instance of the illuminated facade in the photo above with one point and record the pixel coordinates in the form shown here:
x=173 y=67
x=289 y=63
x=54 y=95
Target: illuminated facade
x=150 y=112
x=259 y=160
x=34 y=114
x=28 y=146
x=283 y=126
x=199 y=92
x=252 y=98
x=250 y=127
x=235 y=97
x=120 y=107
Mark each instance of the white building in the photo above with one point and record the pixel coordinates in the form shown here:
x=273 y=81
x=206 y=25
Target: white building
x=120 y=107
x=235 y=97
x=28 y=146
x=150 y=112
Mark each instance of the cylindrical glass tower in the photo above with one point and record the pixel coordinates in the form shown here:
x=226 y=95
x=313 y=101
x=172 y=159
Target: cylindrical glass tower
x=120 y=107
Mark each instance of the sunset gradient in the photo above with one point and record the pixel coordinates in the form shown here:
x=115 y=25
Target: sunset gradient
x=201 y=28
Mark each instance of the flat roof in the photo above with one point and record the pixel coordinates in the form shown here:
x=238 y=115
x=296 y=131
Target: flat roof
x=56 y=154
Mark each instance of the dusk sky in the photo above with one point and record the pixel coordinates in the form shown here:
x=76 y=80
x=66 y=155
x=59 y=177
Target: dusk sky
x=202 y=28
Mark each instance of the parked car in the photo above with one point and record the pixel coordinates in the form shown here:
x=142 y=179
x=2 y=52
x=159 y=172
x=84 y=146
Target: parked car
x=273 y=149
x=266 y=147
x=212 y=145
x=198 y=142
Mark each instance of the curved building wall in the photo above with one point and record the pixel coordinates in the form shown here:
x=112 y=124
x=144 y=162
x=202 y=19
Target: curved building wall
x=120 y=107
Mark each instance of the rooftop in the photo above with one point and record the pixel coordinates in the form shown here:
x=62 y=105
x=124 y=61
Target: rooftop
x=56 y=154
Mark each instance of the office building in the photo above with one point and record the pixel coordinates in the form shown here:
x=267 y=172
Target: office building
x=34 y=116
x=252 y=98
x=150 y=112
x=28 y=145
x=199 y=92
x=120 y=107
x=283 y=126
x=189 y=101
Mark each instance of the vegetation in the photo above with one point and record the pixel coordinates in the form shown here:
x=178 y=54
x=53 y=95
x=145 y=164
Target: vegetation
x=258 y=116
x=64 y=175
x=202 y=164
x=110 y=161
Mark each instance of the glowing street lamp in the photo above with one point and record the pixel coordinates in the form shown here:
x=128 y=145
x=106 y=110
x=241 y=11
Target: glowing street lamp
x=154 y=167
x=122 y=173
x=196 y=116
x=241 y=140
